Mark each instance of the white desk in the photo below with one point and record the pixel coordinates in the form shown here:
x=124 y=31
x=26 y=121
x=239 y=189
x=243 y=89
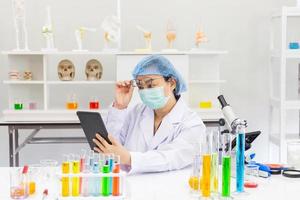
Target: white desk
x=14 y=129
x=174 y=186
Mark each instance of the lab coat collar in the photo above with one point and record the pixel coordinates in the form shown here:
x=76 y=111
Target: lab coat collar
x=167 y=125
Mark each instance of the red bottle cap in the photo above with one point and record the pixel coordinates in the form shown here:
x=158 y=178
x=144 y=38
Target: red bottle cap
x=45 y=193
x=25 y=169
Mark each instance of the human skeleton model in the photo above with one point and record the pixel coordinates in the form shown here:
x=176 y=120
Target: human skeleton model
x=147 y=37
x=20 y=25
x=47 y=31
x=79 y=34
x=170 y=34
x=111 y=26
x=200 y=37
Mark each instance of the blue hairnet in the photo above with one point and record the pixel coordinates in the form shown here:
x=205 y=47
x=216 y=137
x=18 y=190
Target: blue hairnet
x=159 y=65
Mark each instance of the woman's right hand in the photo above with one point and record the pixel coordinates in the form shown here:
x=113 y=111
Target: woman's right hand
x=123 y=94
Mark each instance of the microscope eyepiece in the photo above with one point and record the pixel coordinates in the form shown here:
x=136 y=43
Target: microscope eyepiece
x=222 y=101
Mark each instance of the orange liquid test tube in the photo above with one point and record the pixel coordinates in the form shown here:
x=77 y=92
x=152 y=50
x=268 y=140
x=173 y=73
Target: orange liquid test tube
x=116 y=179
x=206 y=175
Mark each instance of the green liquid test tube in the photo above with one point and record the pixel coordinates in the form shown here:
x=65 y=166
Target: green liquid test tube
x=226 y=165
x=105 y=181
x=226 y=168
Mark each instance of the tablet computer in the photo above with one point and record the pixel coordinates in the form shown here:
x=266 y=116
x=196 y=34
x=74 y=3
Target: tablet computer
x=92 y=123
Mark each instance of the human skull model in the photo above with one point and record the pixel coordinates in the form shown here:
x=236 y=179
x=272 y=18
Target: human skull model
x=27 y=75
x=93 y=70
x=66 y=70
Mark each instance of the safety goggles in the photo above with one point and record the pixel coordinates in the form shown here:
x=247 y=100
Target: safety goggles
x=145 y=83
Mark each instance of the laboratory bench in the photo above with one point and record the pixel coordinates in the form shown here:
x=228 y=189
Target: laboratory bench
x=173 y=185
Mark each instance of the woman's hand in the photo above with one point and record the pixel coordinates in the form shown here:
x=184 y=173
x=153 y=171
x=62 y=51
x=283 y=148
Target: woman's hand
x=123 y=90
x=115 y=148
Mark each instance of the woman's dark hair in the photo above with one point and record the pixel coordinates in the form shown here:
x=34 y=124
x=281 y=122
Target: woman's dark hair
x=177 y=96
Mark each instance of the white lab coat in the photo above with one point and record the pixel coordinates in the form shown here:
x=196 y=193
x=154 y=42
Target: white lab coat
x=172 y=146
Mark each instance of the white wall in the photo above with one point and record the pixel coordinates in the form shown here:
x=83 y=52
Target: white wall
x=241 y=27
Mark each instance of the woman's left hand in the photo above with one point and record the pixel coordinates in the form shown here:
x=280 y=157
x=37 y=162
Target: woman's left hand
x=115 y=148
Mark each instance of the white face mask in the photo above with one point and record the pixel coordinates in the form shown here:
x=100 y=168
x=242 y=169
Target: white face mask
x=154 y=98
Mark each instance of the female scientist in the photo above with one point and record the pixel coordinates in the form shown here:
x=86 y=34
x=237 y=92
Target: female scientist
x=161 y=133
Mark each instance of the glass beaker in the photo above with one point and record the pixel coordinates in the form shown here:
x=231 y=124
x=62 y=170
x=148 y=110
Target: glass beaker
x=18 y=184
x=293 y=154
x=72 y=103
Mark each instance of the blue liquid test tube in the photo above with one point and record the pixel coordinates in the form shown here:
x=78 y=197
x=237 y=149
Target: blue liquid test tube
x=101 y=163
x=96 y=180
x=85 y=180
x=240 y=159
x=91 y=165
x=111 y=165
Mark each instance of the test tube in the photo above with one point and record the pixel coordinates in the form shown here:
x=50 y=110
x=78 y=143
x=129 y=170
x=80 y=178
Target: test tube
x=106 y=178
x=75 y=178
x=226 y=165
x=101 y=164
x=85 y=180
x=194 y=180
x=96 y=180
x=65 y=168
x=82 y=159
x=90 y=179
x=215 y=161
x=240 y=159
x=116 y=179
x=32 y=173
x=111 y=165
x=206 y=165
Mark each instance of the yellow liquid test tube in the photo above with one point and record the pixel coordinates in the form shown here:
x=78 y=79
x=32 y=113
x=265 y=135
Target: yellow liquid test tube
x=214 y=173
x=205 y=180
x=75 y=180
x=65 y=190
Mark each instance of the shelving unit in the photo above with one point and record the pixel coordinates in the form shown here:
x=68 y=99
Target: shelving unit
x=201 y=68
x=281 y=55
